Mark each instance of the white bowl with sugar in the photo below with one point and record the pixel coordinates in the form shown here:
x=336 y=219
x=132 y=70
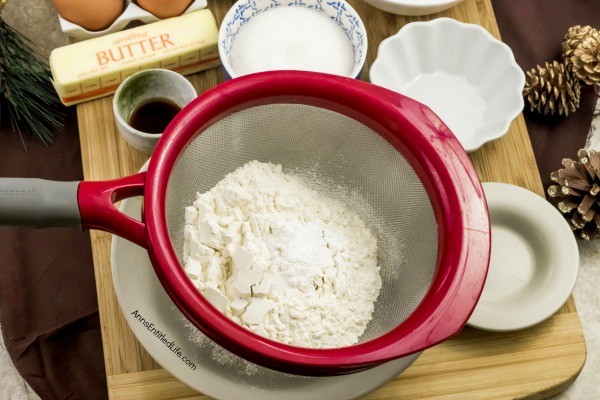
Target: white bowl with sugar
x=309 y=35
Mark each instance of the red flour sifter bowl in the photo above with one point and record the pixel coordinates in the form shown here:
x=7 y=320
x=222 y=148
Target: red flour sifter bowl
x=429 y=211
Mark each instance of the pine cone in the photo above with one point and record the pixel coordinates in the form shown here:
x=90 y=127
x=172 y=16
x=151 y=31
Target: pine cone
x=575 y=35
x=586 y=59
x=574 y=195
x=552 y=89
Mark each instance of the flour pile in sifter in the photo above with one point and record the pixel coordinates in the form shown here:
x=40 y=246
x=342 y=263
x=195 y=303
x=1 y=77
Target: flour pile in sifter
x=282 y=260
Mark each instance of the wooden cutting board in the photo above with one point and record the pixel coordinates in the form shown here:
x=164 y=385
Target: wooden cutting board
x=532 y=364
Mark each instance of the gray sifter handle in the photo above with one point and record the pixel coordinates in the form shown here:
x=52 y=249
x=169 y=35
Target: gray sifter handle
x=38 y=203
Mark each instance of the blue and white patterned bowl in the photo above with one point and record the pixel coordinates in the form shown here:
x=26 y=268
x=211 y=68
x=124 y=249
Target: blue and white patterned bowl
x=338 y=11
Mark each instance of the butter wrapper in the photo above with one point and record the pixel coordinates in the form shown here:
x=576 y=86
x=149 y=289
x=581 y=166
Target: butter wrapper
x=95 y=68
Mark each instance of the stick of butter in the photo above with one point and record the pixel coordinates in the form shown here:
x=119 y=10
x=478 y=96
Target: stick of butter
x=94 y=68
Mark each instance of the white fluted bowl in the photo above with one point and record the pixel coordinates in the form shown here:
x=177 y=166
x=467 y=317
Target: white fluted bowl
x=466 y=76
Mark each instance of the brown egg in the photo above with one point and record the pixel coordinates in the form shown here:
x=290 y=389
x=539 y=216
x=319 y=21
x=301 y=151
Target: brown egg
x=93 y=15
x=164 y=8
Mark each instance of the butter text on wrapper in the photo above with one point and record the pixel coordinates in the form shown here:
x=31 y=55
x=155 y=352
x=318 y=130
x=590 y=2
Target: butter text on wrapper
x=134 y=49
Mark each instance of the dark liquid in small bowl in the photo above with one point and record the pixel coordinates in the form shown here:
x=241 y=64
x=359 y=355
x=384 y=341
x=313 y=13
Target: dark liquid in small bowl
x=153 y=115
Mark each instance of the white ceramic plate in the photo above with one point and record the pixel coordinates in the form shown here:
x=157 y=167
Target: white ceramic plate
x=160 y=328
x=466 y=76
x=534 y=261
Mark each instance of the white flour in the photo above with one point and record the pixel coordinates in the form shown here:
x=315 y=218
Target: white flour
x=282 y=260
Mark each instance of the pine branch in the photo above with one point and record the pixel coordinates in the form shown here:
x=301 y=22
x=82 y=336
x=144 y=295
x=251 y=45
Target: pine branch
x=26 y=89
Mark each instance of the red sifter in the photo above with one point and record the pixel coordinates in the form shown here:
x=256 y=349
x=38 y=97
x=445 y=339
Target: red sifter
x=432 y=223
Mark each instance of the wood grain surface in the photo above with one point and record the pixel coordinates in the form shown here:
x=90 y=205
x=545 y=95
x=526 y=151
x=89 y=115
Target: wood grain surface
x=532 y=364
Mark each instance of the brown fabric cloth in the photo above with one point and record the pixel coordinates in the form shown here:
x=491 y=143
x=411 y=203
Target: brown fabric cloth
x=48 y=304
x=534 y=29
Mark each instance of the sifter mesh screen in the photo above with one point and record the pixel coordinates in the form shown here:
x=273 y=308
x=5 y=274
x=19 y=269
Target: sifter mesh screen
x=341 y=158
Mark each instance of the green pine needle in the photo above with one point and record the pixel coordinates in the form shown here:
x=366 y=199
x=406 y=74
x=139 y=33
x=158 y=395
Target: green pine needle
x=26 y=89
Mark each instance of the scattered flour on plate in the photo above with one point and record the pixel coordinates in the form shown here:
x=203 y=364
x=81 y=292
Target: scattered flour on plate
x=236 y=367
x=282 y=260
x=219 y=355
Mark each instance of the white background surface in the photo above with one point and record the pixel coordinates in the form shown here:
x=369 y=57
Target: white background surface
x=35 y=18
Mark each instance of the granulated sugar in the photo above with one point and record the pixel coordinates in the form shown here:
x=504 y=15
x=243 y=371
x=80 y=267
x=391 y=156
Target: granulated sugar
x=281 y=259
x=296 y=38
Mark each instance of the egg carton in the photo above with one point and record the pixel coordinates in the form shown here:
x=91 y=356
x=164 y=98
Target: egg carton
x=132 y=12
